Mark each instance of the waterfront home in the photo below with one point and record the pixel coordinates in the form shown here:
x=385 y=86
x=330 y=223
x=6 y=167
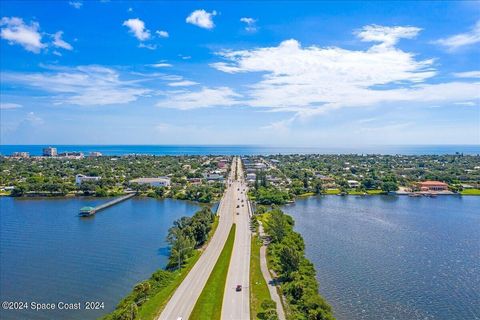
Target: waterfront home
x=154 y=182
x=433 y=186
x=353 y=183
x=80 y=178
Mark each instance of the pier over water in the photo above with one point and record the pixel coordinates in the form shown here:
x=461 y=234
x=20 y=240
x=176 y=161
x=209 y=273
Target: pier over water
x=89 y=211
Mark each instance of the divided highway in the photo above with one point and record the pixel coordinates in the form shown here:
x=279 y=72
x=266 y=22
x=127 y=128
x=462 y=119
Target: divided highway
x=236 y=304
x=183 y=300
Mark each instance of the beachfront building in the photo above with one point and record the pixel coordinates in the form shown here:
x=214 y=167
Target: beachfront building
x=95 y=154
x=433 y=186
x=49 y=152
x=153 y=182
x=71 y=155
x=81 y=178
x=21 y=154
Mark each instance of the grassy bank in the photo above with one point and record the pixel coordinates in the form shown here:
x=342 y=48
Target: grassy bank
x=149 y=297
x=470 y=192
x=258 y=287
x=209 y=304
x=154 y=306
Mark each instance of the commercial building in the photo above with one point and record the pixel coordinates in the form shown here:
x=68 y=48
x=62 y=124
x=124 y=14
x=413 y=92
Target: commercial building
x=154 y=182
x=80 y=178
x=213 y=177
x=50 y=152
x=433 y=186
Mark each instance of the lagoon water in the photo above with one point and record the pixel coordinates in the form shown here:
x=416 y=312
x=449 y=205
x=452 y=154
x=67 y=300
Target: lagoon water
x=49 y=254
x=386 y=257
x=378 y=257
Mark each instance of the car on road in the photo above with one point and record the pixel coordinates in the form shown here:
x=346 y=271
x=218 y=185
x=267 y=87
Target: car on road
x=238 y=206
x=238 y=288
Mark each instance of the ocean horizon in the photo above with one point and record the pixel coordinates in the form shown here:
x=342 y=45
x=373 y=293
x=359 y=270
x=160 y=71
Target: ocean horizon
x=173 y=150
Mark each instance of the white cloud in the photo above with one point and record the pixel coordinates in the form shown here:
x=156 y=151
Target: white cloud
x=15 y=31
x=202 y=19
x=467 y=74
x=9 y=105
x=55 y=52
x=313 y=80
x=137 y=28
x=184 y=83
x=161 y=65
x=465 y=103
x=147 y=46
x=83 y=85
x=76 y=4
x=130 y=9
x=59 y=42
x=203 y=98
x=388 y=36
x=162 y=33
x=250 y=24
x=457 y=41
x=34 y=119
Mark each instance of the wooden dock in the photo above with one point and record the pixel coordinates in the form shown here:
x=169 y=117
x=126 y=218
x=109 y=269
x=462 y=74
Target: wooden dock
x=89 y=211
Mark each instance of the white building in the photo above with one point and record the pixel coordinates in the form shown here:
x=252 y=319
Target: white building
x=154 y=182
x=21 y=154
x=353 y=183
x=80 y=178
x=50 y=152
x=94 y=154
x=260 y=165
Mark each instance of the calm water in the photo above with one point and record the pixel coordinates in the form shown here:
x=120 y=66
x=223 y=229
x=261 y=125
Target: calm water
x=48 y=254
x=242 y=150
x=394 y=257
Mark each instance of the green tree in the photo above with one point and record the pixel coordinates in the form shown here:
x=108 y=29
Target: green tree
x=389 y=186
x=289 y=260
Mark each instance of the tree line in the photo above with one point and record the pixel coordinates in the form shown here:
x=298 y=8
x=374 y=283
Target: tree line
x=296 y=273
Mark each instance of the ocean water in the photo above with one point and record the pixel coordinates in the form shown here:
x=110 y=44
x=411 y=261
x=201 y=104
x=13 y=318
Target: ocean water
x=243 y=150
x=387 y=257
x=48 y=254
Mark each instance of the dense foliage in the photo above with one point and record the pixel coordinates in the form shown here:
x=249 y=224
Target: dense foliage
x=187 y=234
x=56 y=176
x=296 y=273
x=314 y=173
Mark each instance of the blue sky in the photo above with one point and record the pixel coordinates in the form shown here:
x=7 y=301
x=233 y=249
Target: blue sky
x=290 y=73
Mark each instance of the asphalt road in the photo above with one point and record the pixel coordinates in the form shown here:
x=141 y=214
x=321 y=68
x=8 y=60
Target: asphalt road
x=236 y=304
x=183 y=300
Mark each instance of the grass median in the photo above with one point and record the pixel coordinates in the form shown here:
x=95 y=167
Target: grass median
x=258 y=286
x=209 y=304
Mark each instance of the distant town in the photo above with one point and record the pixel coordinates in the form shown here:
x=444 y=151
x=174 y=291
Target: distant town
x=274 y=179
